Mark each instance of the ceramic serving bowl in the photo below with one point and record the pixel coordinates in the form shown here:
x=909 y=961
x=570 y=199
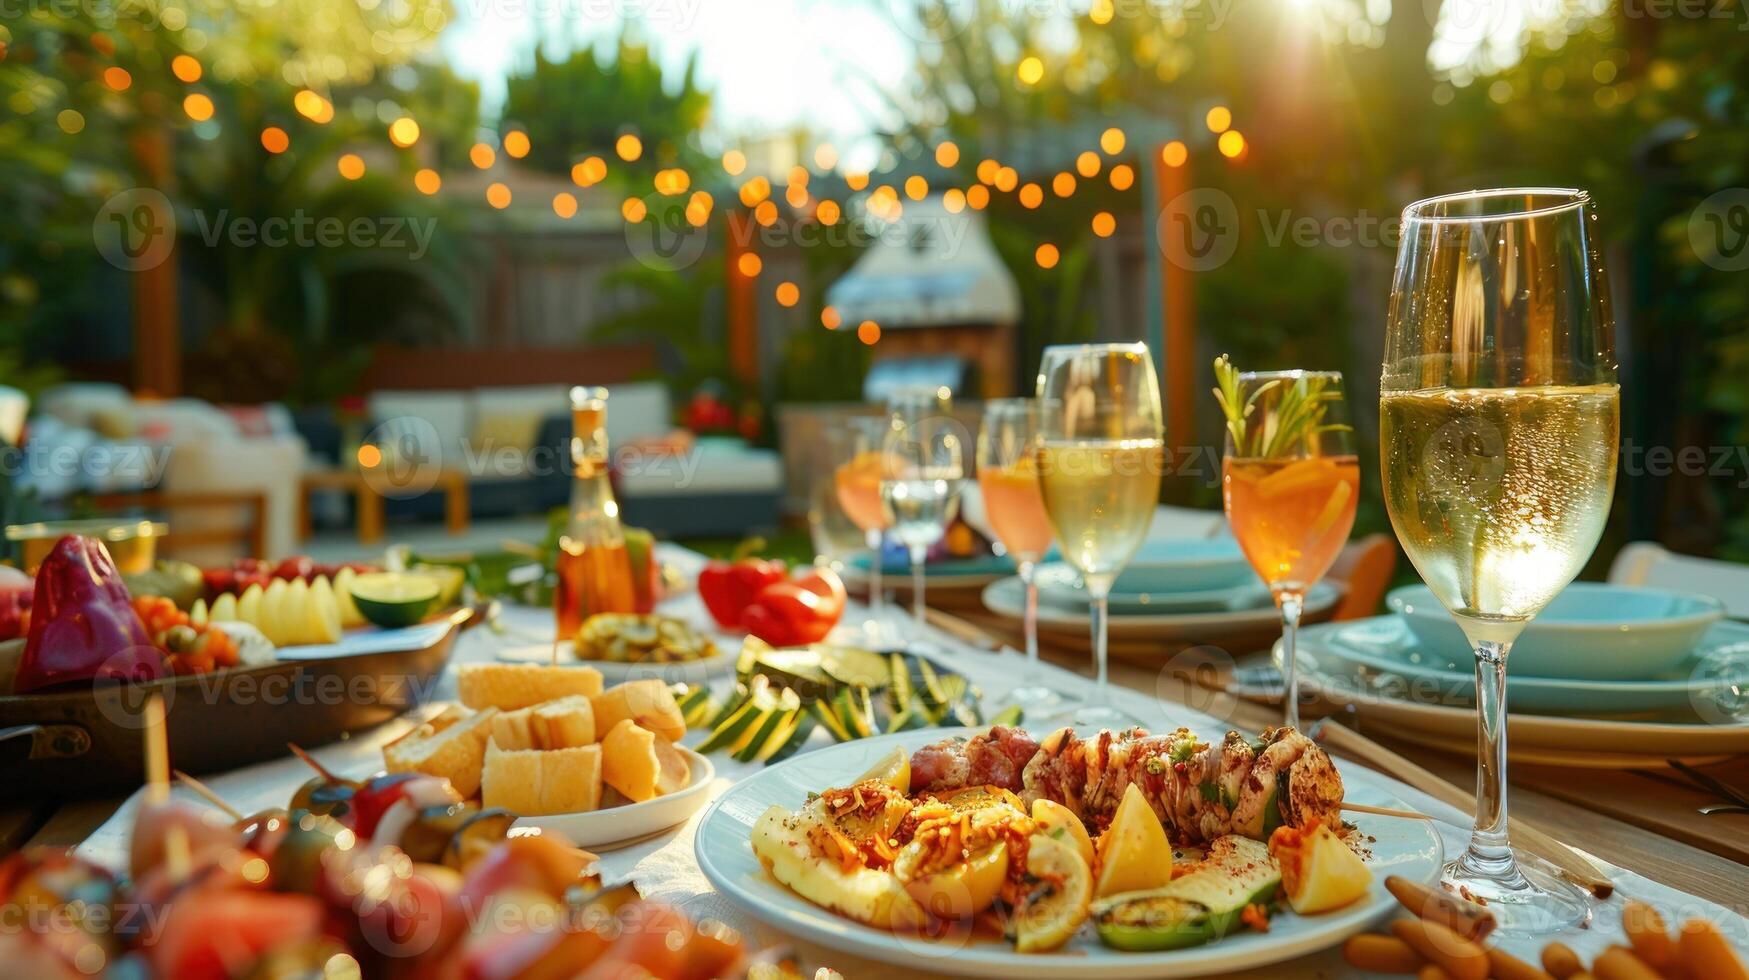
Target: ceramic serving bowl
x=1590 y=631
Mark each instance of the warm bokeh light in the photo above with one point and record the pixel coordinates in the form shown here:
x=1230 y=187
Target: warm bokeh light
x=1104 y=224
x=869 y=332
x=1174 y=154
x=947 y=154
x=482 y=155
x=916 y=188
x=1030 y=71
x=755 y=190
x=198 y=107
x=799 y=176
x=117 y=78
x=633 y=210
x=629 y=147
x=275 y=140
x=825 y=156
x=564 y=204
x=827 y=213
x=749 y=264
x=787 y=294
x=954 y=200
x=516 y=144
x=829 y=318
x=1087 y=164
x=734 y=162
x=1063 y=184
x=796 y=195
x=428 y=181
x=701 y=199
x=1232 y=143
x=313 y=107
x=765 y=214
x=588 y=172
x=1219 y=119
x=978 y=197
x=987 y=170
x=1031 y=196
x=1122 y=177
x=1112 y=141
x=856 y=181
x=672 y=182
x=1007 y=179
x=696 y=215
x=404 y=132
x=1101 y=11
x=1046 y=256
x=71 y=121
x=498 y=195
x=185 y=68
x=369 y=456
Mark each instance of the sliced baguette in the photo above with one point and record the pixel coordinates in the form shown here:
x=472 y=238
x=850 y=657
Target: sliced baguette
x=647 y=702
x=562 y=724
x=640 y=765
x=535 y=782
x=455 y=752
x=508 y=687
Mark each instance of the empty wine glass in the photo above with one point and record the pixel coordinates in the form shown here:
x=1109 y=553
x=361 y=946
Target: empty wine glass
x=925 y=457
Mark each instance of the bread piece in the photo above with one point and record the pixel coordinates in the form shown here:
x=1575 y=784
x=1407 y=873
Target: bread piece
x=647 y=702
x=534 y=782
x=454 y=752
x=562 y=724
x=508 y=687
x=640 y=765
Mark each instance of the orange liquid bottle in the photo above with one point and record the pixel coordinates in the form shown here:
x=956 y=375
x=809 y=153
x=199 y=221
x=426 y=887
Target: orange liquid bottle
x=594 y=571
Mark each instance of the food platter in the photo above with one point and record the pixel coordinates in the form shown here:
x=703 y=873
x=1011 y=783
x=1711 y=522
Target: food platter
x=631 y=822
x=1408 y=848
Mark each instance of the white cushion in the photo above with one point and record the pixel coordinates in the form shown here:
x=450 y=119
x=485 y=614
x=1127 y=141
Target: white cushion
x=712 y=466
x=78 y=402
x=637 y=411
x=542 y=400
x=271 y=466
x=447 y=418
x=182 y=420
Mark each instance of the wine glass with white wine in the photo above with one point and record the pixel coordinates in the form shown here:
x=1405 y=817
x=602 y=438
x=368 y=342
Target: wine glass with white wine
x=1498 y=430
x=1100 y=452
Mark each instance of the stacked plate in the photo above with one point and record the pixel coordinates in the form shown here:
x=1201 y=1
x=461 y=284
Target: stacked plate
x=1606 y=676
x=1192 y=590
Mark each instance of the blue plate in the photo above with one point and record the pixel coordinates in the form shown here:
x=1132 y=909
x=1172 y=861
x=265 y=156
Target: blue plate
x=1590 y=631
x=1711 y=680
x=1161 y=571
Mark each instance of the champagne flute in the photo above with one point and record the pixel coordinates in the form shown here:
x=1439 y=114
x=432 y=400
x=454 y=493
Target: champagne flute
x=1101 y=450
x=857 y=482
x=1498 y=426
x=1290 y=482
x=925 y=458
x=1008 y=478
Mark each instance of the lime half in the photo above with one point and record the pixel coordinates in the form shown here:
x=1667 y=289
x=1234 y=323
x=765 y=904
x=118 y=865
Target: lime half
x=391 y=599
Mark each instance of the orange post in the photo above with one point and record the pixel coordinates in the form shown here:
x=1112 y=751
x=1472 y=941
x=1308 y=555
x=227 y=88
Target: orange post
x=1177 y=317
x=743 y=307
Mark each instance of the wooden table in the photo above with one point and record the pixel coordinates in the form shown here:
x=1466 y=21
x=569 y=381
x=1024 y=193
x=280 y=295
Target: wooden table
x=1641 y=822
x=452 y=483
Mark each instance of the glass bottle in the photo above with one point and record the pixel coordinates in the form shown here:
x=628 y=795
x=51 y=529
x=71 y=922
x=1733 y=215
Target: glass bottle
x=594 y=572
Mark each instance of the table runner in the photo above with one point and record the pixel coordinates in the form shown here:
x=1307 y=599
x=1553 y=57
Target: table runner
x=664 y=868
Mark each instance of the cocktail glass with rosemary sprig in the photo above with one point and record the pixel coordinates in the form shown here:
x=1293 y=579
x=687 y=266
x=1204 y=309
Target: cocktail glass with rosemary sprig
x=1290 y=481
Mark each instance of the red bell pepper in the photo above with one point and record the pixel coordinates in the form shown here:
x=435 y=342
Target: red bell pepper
x=728 y=587
x=82 y=623
x=797 y=612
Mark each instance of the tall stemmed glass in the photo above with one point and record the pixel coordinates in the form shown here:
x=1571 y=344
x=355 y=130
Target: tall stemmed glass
x=857 y=480
x=925 y=454
x=1008 y=479
x=1101 y=450
x=1498 y=427
x=1290 y=482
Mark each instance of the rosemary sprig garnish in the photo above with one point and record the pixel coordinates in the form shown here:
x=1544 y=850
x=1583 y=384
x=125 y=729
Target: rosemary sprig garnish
x=1293 y=425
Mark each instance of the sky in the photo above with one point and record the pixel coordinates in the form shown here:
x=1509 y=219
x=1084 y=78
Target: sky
x=772 y=65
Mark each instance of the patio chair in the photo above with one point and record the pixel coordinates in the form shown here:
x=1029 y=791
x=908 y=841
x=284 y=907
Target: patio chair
x=1650 y=564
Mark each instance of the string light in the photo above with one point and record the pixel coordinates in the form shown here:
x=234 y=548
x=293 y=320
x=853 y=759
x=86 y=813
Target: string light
x=588 y=172
x=869 y=332
x=787 y=294
x=564 y=204
x=1031 y=196
x=672 y=182
x=313 y=107
x=987 y=170
x=978 y=197
x=755 y=191
x=1104 y=224
x=1007 y=179
x=629 y=147
x=185 y=68
x=633 y=210
x=351 y=166
x=1231 y=143
x=698 y=208
x=798 y=176
x=1088 y=164
x=1122 y=177
x=749 y=264
x=947 y=154
x=954 y=200
x=427 y=181
x=481 y=155
x=1102 y=11
x=1218 y=119
x=916 y=188
x=275 y=140
x=1046 y=256
x=796 y=195
x=829 y=318
x=1174 y=154
x=117 y=78
x=404 y=132
x=825 y=156
x=516 y=144
x=827 y=213
x=1063 y=184
x=1112 y=141
x=498 y=195
x=71 y=121
x=734 y=162
x=856 y=181
x=198 y=107
x=1030 y=71
x=765 y=214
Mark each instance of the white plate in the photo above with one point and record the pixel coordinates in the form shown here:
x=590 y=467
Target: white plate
x=633 y=821
x=618 y=672
x=371 y=639
x=1409 y=848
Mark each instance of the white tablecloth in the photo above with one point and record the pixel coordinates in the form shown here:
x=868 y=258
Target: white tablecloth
x=663 y=868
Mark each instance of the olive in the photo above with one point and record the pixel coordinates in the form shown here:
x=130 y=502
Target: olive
x=428 y=836
x=478 y=835
x=324 y=797
x=296 y=864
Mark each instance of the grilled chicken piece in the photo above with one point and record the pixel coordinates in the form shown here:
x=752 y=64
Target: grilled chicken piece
x=994 y=758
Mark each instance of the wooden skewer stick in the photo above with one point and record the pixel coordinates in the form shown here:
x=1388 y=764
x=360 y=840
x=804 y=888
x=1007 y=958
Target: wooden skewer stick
x=310 y=761
x=177 y=856
x=206 y=792
x=1385 y=811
